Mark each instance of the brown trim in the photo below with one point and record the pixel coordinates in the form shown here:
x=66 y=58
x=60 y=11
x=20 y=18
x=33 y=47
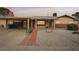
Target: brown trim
x=40 y=25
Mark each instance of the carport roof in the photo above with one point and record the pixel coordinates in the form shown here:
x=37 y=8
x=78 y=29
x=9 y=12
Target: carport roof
x=42 y=17
x=14 y=18
x=25 y=18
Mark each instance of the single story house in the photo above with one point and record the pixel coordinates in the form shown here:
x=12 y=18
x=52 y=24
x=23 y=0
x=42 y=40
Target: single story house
x=37 y=21
x=63 y=21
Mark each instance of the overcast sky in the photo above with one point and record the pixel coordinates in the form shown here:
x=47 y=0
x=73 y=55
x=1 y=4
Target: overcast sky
x=43 y=11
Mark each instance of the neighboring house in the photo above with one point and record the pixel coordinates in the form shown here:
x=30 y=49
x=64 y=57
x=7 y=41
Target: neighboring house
x=62 y=21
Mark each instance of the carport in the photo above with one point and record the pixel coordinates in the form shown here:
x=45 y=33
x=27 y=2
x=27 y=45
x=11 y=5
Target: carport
x=42 y=21
x=28 y=22
x=18 y=22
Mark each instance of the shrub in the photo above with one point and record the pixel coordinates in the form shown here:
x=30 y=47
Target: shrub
x=73 y=27
x=29 y=30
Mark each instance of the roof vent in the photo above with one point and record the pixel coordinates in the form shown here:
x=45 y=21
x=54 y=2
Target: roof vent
x=54 y=14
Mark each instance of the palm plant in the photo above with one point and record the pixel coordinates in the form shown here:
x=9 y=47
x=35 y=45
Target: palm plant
x=49 y=25
x=77 y=16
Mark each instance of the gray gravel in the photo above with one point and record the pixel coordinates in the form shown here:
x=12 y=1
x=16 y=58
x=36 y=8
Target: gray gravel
x=10 y=39
x=56 y=40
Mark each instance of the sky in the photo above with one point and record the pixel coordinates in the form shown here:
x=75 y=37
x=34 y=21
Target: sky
x=43 y=11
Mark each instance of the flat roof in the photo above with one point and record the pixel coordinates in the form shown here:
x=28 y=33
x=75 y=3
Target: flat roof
x=42 y=17
x=34 y=18
x=25 y=18
x=13 y=18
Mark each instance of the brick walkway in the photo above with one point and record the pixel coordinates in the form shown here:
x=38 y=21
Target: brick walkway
x=30 y=40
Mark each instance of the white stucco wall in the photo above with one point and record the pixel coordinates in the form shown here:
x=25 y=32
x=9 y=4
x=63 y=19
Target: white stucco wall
x=10 y=21
x=3 y=22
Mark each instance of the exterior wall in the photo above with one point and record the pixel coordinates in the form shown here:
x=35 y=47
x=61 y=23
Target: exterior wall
x=78 y=25
x=10 y=21
x=3 y=22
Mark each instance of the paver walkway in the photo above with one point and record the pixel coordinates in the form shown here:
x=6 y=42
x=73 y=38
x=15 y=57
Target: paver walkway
x=30 y=40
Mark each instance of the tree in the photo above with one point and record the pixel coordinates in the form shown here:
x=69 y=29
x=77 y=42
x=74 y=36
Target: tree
x=77 y=16
x=5 y=12
x=50 y=23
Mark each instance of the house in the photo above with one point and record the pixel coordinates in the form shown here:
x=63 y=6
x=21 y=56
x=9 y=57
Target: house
x=38 y=22
x=2 y=23
x=42 y=21
x=63 y=21
x=60 y=22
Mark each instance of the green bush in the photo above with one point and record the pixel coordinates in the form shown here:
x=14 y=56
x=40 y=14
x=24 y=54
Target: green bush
x=29 y=30
x=73 y=27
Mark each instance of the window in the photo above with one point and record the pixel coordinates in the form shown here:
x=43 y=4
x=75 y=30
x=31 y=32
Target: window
x=41 y=22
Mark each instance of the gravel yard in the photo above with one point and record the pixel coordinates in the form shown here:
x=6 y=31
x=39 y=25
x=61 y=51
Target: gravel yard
x=57 y=40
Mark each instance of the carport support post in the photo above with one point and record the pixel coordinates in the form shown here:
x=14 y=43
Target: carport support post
x=28 y=24
x=54 y=23
x=6 y=24
x=31 y=24
x=35 y=23
x=78 y=25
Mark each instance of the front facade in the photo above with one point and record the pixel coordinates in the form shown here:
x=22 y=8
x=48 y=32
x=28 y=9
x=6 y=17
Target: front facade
x=38 y=22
